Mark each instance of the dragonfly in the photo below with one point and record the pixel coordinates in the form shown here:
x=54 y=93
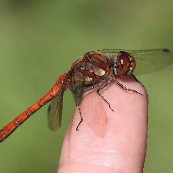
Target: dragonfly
x=94 y=69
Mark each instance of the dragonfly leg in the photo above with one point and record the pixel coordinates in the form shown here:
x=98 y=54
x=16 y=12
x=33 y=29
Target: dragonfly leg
x=137 y=80
x=90 y=87
x=77 y=128
x=125 y=88
x=102 y=87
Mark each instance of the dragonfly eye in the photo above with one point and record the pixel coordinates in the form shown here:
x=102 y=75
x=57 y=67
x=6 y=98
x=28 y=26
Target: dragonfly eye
x=124 y=64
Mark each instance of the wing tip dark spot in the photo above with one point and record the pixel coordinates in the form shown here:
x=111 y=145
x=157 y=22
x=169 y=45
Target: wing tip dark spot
x=166 y=50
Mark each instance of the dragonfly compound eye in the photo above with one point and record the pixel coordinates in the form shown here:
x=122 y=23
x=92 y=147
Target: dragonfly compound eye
x=125 y=64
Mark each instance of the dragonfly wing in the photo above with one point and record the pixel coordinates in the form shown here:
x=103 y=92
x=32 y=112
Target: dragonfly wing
x=55 y=112
x=79 y=73
x=150 y=61
x=55 y=108
x=147 y=61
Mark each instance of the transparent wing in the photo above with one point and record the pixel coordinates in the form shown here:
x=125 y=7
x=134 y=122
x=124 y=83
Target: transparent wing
x=78 y=76
x=55 y=112
x=147 y=61
x=77 y=91
x=74 y=80
x=55 y=108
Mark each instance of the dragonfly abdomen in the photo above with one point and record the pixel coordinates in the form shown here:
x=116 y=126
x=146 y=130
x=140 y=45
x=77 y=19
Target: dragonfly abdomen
x=8 y=129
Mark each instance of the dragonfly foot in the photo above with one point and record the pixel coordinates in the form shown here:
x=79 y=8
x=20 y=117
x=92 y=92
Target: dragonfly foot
x=77 y=128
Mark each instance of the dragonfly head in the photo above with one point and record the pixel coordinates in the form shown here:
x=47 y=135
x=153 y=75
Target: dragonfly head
x=124 y=64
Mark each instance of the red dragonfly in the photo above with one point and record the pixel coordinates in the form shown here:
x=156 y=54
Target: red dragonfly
x=94 y=69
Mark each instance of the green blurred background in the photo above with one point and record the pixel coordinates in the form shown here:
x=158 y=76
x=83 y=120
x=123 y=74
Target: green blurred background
x=38 y=42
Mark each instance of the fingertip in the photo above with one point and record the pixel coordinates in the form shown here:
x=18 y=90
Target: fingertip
x=120 y=135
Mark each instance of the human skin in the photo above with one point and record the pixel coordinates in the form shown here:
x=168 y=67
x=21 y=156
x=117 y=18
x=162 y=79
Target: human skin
x=108 y=141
